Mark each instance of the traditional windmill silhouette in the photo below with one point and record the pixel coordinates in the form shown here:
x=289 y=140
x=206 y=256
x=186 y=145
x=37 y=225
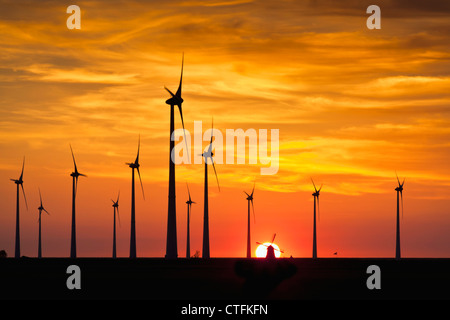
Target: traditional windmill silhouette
x=75 y=174
x=19 y=182
x=270 y=249
x=189 y=210
x=116 y=211
x=41 y=208
x=315 y=195
x=249 y=199
x=399 y=190
x=134 y=165
x=208 y=154
x=175 y=100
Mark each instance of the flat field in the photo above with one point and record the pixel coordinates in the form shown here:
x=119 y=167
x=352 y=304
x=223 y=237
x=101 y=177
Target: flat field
x=224 y=278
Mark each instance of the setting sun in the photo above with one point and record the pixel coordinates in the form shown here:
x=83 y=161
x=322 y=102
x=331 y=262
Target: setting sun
x=261 y=250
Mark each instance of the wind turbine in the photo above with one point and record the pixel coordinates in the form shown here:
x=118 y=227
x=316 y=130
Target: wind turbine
x=188 y=241
x=19 y=182
x=41 y=208
x=316 y=195
x=399 y=190
x=175 y=100
x=134 y=165
x=116 y=210
x=75 y=174
x=206 y=155
x=249 y=199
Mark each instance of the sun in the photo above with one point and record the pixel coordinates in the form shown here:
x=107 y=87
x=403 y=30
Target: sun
x=261 y=250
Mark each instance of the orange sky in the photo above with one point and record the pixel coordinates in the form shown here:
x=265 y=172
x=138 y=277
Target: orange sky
x=352 y=106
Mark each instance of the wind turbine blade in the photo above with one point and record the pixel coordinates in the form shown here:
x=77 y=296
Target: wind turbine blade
x=274 y=235
x=139 y=146
x=40 y=197
x=214 y=167
x=254 y=217
x=76 y=185
x=181 y=78
x=401 y=196
x=212 y=129
x=188 y=191
x=403 y=182
x=397 y=179
x=118 y=198
x=171 y=93
x=181 y=115
x=23 y=191
x=253 y=189
x=320 y=188
x=23 y=166
x=209 y=152
x=73 y=157
x=314 y=185
x=247 y=194
x=142 y=187
x=210 y=140
x=184 y=130
x=118 y=217
x=318 y=208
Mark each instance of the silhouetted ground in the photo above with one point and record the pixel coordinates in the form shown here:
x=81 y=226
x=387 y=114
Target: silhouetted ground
x=224 y=279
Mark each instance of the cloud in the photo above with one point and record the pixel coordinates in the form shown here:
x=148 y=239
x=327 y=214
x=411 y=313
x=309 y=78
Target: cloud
x=47 y=73
x=308 y=68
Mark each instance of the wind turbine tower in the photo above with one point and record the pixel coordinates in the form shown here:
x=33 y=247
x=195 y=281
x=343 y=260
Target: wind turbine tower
x=316 y=196
x=171 y=241
x=399 y=190
x=189 y=210
x=116 y=211
x=249 y=199
x=134 y=165
x=75 y=174
x=208 y=154
x=41 y=208
x=19 y=182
